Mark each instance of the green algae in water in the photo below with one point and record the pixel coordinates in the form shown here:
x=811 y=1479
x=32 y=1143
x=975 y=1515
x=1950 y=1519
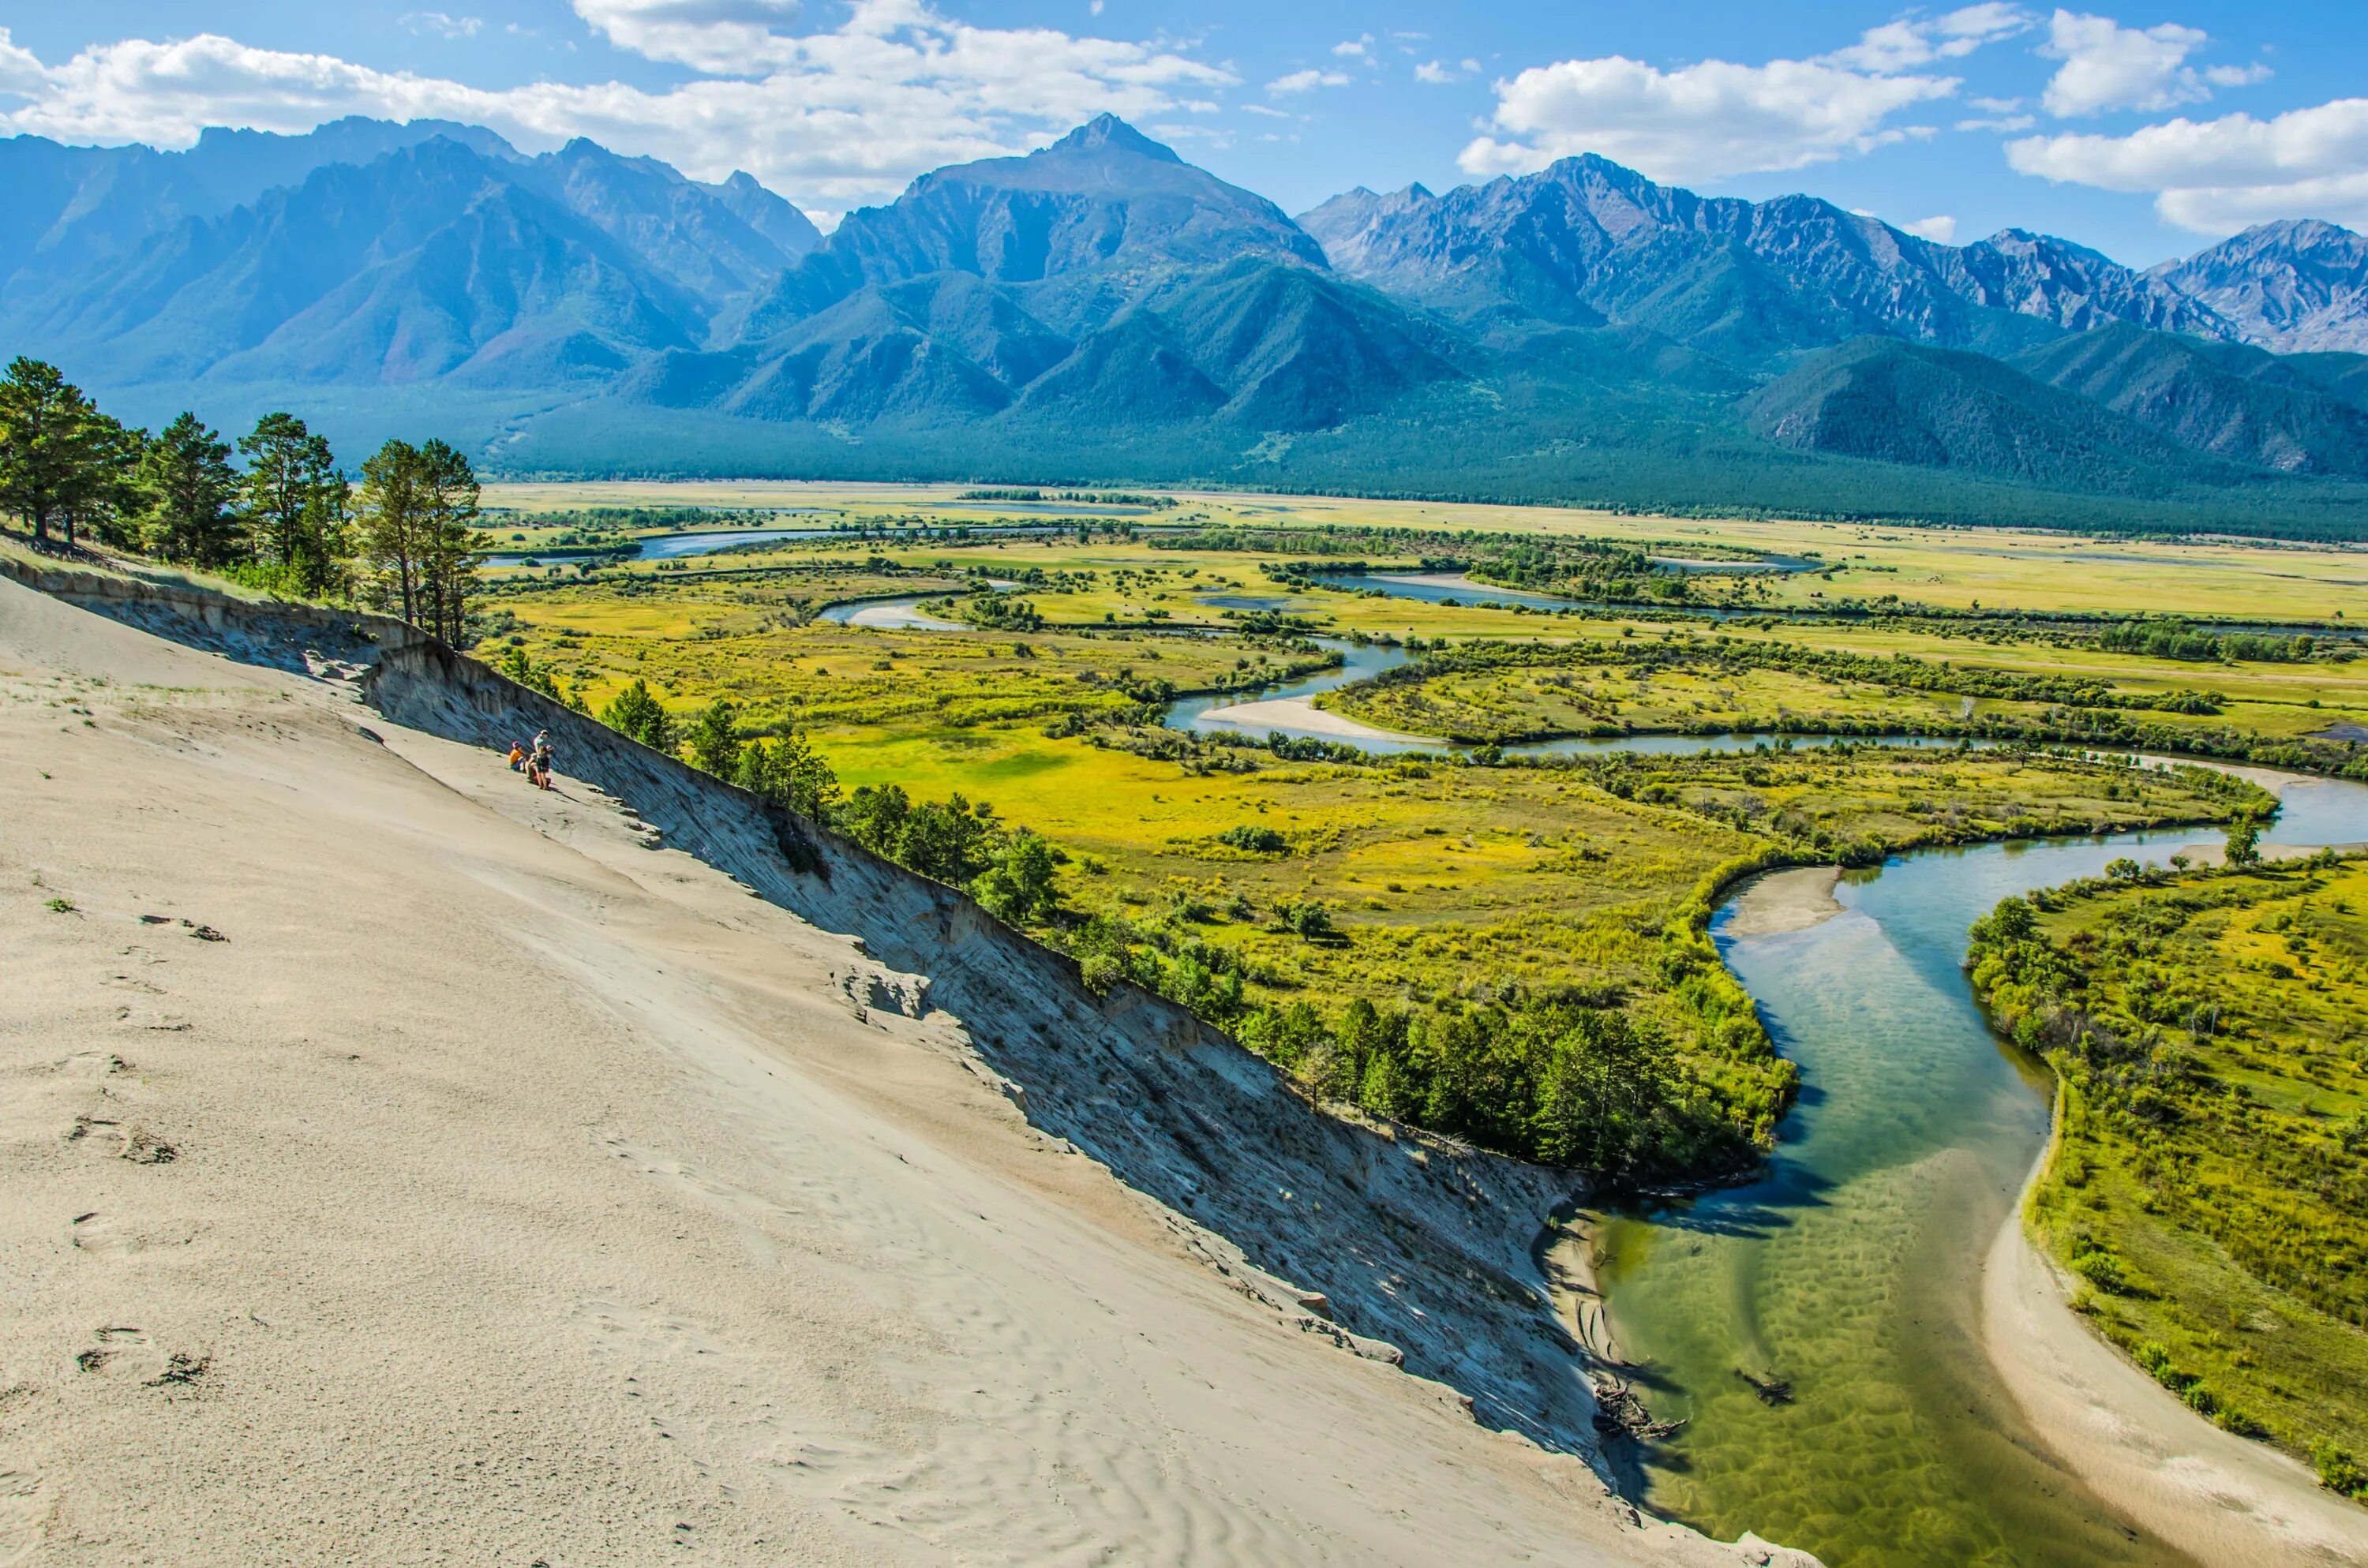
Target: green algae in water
x=1851 y=1270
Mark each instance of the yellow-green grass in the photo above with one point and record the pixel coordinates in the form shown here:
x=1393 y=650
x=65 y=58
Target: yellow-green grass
x=2233 y=1205
x=1441 y=879
x=1954 y=568
x=2272 y=702
x=753 y=643
x=1106 y=582
x=1604 y=699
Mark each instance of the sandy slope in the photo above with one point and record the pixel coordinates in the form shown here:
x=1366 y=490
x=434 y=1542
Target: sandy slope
x=504 y=1189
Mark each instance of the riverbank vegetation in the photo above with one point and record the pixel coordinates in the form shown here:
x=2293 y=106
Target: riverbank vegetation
x=1512 y=954
x=2209 y=1183
x=1499 y=691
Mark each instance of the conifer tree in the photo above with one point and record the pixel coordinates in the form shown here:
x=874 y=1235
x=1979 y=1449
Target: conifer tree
x=57 y=457
x=190 y=484
x=294 y=500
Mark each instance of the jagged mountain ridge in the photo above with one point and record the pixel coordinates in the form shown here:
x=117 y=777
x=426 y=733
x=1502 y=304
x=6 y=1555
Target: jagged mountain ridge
x=1104 y=201
x=1588 y=241
x=398 y=253
x=1099 y=278
x=1101 y=296
x=2295 y=287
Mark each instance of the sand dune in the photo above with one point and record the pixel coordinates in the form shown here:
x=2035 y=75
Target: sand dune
x=404 y=1166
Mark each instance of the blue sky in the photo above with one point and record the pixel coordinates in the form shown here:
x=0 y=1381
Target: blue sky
x=2144 y=131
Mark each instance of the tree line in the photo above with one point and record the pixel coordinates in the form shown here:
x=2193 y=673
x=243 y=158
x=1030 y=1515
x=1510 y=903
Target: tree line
x=284 y=517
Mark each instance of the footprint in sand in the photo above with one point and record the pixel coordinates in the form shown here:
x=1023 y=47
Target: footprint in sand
x=101 y=1237
x=21 y=1508
x=142 y=1147
x=91 y=1064
x=123 y=1354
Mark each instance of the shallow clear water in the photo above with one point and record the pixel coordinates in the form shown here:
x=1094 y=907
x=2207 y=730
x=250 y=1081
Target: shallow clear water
x=1852 y=1267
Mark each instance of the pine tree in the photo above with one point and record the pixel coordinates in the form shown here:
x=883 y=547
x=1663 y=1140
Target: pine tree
x=109 y=509
x=294 y=499
x=451 y=548
x=57 y=455
x=714 y=739
x=634 y=712
x=190 y=484
x=391 y=526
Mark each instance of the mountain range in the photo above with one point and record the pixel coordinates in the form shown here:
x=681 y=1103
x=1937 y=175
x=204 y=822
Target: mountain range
x=1102 y=309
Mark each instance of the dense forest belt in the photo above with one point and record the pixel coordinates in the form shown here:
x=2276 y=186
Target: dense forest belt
x=1395 y=1244
x=2208 y=1185
x=1499 y=693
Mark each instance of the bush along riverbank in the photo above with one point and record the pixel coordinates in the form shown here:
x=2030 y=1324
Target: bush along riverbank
x=1490 y=692
x=1519 y=954
x=2208 y=1188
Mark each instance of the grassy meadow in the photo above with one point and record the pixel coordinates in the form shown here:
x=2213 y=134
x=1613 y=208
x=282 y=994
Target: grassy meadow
x=1959 y=568
x=2210 y=1181
x=1275 y=889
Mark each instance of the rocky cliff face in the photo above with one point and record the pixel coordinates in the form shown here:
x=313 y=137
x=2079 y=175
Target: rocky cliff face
x=2292 y=287
x=1094 y=222
x=1587 y=240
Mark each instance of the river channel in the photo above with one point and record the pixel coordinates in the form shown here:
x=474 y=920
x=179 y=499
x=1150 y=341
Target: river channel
x=1852 y=1267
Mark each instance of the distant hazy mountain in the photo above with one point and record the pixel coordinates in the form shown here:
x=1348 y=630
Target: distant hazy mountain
x=63 y=210
x=1588 y=241
x=1101 y=309
x=2292 y=286
x=1101 y=279
x=444 y=257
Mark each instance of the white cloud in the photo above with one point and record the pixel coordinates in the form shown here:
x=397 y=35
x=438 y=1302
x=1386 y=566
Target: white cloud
x=20 y=71
x=1939 y=229
x=1215 y=136
x=1914 y=41
x=2108 y=67
x=2218 y=176
x=1704 y=121
x=1432 y=72
x=1305 y=81
x=1360 y=48
x=833 y=119
x=2003 y=122
x=730 y=37
x=442 y=23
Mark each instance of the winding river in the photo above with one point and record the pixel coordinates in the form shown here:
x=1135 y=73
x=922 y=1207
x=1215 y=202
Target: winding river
x=1852 y=1267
